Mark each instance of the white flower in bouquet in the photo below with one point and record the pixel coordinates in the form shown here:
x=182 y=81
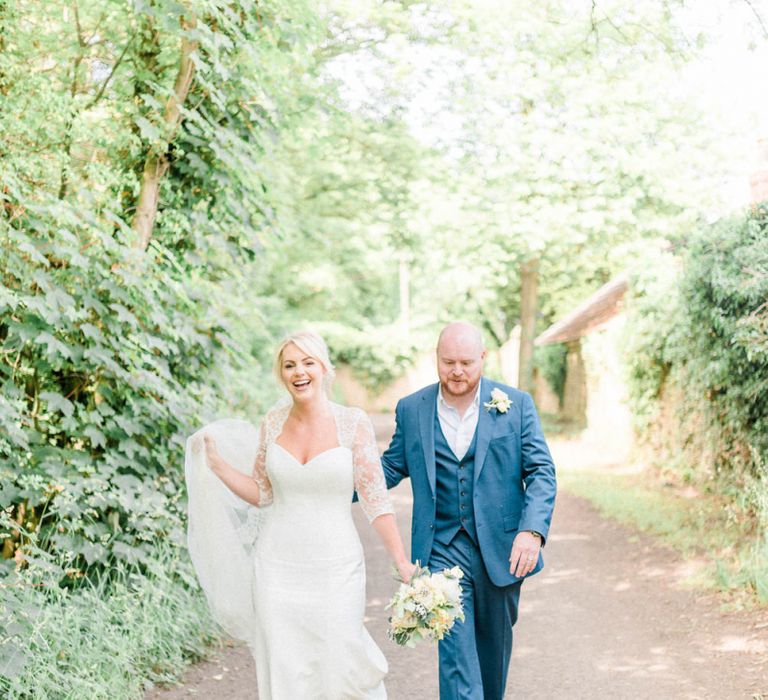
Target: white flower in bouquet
x=427 y=607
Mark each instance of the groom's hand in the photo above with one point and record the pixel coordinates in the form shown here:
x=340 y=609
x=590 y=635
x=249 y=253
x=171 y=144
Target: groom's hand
x=525 y=554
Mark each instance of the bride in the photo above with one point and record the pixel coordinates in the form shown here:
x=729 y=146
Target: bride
x=295 y=591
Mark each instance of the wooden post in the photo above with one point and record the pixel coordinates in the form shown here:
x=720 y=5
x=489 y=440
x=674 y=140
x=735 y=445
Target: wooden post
x=529 y=293
x=156 y=164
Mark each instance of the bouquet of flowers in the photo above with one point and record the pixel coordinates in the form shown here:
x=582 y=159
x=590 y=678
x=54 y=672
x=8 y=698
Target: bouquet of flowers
x=426 y=607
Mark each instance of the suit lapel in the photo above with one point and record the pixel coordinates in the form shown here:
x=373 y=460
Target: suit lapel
x=427 y=412
x=485 y=424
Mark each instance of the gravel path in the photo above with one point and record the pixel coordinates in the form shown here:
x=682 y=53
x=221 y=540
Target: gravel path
x=607 y=618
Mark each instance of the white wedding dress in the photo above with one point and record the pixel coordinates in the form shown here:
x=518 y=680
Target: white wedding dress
x=290 y=580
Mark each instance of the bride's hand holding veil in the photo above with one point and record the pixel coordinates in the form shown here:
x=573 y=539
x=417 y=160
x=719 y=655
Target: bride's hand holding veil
x=213 y=459
x=240 y=484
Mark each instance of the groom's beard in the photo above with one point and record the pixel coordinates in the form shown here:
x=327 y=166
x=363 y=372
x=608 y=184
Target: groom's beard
x=459 y=388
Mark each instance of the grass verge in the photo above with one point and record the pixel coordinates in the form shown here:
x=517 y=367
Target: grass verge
x=706 y=526
x=103 y=639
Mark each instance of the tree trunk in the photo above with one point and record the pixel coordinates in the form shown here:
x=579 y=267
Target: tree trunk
x=575 y=390
x=405 y=296
x=156 y=164
x=529 y=292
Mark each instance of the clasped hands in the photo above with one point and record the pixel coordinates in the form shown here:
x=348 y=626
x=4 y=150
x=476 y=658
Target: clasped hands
x=525 y=553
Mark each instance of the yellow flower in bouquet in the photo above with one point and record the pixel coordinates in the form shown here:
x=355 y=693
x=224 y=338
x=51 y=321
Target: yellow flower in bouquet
x=427 y=607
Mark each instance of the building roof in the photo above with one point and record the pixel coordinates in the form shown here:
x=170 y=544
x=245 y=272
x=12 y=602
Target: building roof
x=603 y=305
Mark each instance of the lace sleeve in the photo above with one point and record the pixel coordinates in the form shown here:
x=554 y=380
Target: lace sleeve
x=368 y=473
x=260 y=466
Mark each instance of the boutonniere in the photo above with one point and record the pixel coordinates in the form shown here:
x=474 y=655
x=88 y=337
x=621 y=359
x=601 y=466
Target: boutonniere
x=499 y=400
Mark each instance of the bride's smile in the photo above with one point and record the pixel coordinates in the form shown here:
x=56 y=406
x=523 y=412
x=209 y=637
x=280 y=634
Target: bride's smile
x=302 y=374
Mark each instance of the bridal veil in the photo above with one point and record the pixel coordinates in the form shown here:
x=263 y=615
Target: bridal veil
x=222 y=528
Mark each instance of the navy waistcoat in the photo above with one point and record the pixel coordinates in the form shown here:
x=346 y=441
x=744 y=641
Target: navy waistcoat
x=454 y=483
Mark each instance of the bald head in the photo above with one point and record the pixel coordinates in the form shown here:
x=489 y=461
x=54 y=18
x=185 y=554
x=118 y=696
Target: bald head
x=462 y=333
x=460 y=356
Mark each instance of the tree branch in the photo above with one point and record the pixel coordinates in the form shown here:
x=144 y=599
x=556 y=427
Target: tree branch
x=89 y=41
x=593 y=23
x=80 y=40
x=111 y=74
x=758 y=17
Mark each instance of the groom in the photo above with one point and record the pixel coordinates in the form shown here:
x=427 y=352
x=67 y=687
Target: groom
x=483 y=486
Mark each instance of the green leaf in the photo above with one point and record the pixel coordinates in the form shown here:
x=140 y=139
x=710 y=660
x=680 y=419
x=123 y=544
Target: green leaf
x=34 y=253
x=54 y=346
x=148 y=130
x=97 y=438
x=57 y=402
x=92 y=332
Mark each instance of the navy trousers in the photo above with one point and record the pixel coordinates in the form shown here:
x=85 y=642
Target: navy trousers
x=474 y=656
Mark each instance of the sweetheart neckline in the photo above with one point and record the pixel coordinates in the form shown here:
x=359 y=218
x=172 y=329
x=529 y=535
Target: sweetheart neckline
x=312 y=459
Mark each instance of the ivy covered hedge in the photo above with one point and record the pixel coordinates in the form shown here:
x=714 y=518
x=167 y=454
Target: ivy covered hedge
x=699 y=339
x=106 y=364
x=725 y=289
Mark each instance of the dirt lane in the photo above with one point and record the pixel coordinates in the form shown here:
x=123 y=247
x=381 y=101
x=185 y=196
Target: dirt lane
x=607 y=618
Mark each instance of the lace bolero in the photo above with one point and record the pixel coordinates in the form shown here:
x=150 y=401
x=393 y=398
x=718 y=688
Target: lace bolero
x=355 y=432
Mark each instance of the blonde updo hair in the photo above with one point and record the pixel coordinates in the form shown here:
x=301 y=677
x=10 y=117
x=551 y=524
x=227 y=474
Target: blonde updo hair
x=312 y=344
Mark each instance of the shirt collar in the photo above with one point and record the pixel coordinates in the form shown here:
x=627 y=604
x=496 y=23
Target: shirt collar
x=475 y=401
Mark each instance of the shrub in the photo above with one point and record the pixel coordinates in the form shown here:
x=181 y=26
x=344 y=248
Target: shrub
x=551 y=362
x=650 y=335
x=725 y=354
x=700 y=337
x=377 y=355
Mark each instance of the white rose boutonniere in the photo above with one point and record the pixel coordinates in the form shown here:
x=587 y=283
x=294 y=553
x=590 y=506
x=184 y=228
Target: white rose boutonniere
x=499 y=400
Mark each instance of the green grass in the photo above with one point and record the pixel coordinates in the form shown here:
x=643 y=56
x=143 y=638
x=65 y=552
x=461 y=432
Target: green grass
x=709 y=527
x=107 y=639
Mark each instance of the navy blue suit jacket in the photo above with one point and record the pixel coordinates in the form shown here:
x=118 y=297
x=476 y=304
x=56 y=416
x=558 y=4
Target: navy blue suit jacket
x=514 y=474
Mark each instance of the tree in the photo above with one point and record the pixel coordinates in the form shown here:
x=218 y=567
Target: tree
x=554 y=149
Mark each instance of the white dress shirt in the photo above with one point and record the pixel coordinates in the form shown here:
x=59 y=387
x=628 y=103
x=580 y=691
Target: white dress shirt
x=458 y=430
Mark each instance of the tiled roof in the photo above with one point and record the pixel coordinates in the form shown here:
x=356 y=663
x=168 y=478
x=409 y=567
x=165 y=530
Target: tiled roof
x=603 y=305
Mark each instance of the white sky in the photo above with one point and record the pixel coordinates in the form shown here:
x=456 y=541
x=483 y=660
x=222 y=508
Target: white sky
x=732 y=76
